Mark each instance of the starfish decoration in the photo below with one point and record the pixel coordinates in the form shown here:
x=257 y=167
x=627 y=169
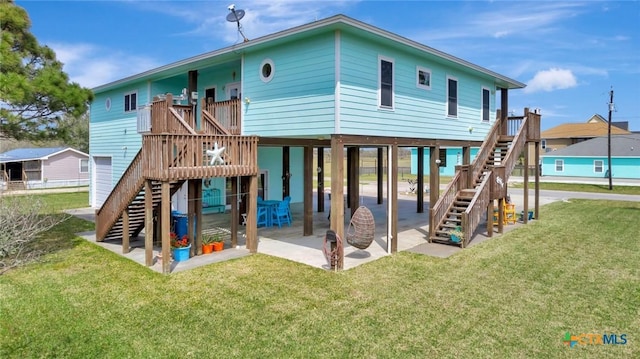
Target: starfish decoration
x=499 y=181
x=216 y=154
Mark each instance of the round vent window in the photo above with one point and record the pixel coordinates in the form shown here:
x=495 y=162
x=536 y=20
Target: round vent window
x=107 y=104
x=267 y=70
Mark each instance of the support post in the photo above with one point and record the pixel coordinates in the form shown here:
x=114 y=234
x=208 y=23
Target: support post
x=286 y=171
x=379 y=173
x=354 y=182
x=125 y=231
x=148 y=223
x=525 y=190
x=307 y=224
x=320 y=191
x=536 y=157
x=195 y=240
x=434 y=186
x=165 y=218
x=337 y=190
x=252 y=210
x=392 y=178
x=235 y=211
x=420 y=194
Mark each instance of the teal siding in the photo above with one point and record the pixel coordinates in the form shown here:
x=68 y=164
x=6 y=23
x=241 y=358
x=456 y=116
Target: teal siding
x=99 y=112
x=622 y=167
x=299 y=99
x=270 y=158
x=417 y=112
x=454 y=157
x=117 y=139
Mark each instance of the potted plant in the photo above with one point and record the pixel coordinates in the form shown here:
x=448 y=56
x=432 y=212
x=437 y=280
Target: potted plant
x=456 y=235
x=207 y=243
x=218 y=243
x=180 y=247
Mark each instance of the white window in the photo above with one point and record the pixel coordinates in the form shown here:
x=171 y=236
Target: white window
x=423 y=76
x=84 y=166
x=385 y=85
x=559 y=165
x=486 y=97
x=130 y=101
x=598 y=166
x=452 y=97
x=267 y=70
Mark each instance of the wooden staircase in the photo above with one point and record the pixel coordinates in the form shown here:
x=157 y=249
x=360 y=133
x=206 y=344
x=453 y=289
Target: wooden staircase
x=174 y=155
x=467 y=197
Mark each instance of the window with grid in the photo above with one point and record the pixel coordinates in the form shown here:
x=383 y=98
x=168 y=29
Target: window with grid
x=130 y=102
x=386 y=83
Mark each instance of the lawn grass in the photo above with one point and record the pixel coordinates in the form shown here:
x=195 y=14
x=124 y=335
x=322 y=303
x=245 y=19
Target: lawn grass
x=576 y=270
x=582 y=187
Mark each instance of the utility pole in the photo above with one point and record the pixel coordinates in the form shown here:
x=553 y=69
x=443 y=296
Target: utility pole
x=609 y=140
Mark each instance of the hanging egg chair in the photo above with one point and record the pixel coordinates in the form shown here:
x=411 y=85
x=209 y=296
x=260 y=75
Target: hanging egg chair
x=362 y=228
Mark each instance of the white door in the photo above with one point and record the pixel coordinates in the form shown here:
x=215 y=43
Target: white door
x=103 y=180
x=233 y=90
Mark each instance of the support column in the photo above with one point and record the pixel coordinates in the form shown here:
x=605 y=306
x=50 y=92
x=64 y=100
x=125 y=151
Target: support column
x=148 y=223
x=125 y=231
x=307 y=223
x=420 y=194
x=337 y=191
x=354 y=175
x=536 y=157
x=504 y=110
x=195 y=240
x=525 y=190
x=252 y=210
x=379 y=173
x=320 y=191
x=165 y=218
x=434 y=186
x=235 y=211
x=392 y=202
x=193 y=87
x=466 y=155
x=286 y=171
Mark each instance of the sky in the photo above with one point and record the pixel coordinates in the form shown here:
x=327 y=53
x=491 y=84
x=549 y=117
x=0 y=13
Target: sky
x=571 y=54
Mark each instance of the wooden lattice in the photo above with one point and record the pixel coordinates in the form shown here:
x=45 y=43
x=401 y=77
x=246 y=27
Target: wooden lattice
x=362 y=228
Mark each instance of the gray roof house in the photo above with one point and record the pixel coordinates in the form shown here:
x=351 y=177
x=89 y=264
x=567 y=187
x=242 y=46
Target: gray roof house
x=590 y=158
x=30 y=168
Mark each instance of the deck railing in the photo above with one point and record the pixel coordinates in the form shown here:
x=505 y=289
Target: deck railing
x=167 y=117
x=180 y=157
x=517 y=145
x=124 y=191
x=226 y=113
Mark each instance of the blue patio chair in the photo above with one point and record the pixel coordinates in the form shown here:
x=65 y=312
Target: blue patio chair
x=262 y=219
x=281 y=214
x=287 y=199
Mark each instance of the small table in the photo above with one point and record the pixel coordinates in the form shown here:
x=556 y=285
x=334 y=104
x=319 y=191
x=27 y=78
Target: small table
x=270 y=205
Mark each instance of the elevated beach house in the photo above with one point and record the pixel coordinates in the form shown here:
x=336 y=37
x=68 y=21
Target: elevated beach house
x=245 y=121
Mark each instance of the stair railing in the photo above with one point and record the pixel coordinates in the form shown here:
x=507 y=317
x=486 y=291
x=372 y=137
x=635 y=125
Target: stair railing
x=477 y=165
x=122 y=194
x=473 y=214
x=440 y=209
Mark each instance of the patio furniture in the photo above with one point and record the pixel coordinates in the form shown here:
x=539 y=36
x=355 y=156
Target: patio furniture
x=263 y=217
x=281 y=214
x=362 y=228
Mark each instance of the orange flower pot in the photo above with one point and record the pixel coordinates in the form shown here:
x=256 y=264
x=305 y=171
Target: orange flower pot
x=218 y=246
x=207 y=248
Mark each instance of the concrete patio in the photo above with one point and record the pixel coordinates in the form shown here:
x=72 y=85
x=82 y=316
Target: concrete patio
x=289 y=243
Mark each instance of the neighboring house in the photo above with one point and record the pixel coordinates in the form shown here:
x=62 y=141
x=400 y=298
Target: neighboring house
x=271 y=102
x=28 y=168
x=568 y=134
x=590 y=158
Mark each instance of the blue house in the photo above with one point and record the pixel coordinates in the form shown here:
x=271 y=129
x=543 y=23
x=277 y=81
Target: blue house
x=271 y=103
x=590 y=158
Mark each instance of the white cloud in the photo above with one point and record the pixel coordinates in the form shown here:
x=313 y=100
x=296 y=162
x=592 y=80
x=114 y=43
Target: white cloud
x=91 y=65
x=550 y=80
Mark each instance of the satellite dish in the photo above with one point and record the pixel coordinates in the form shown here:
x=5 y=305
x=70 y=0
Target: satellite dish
x=236 y=16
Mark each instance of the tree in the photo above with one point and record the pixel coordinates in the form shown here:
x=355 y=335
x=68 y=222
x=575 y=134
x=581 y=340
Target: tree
x=36 y=96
